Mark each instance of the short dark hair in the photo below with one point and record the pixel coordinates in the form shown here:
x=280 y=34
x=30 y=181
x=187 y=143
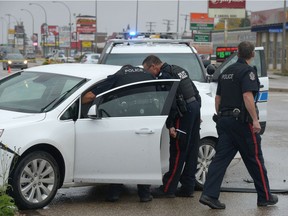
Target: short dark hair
x=245 y=50
x=152 y=59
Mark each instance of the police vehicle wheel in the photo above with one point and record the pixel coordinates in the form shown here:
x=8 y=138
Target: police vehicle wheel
x=205 y=154
x=35 y=180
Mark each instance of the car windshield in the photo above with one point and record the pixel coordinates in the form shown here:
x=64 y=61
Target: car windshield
x=187 y=61
x=15 y=56
x=34 y=92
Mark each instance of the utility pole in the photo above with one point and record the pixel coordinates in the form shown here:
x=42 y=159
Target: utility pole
x=150 y=25
x=284 y=54
x=185 y=19
x=168 y=24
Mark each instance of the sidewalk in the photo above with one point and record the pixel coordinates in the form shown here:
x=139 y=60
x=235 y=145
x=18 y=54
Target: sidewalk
x=277 y=83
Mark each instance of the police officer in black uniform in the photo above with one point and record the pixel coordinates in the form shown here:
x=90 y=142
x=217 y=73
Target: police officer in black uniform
x=238 y=130
x=183 y=123
x=127 y=74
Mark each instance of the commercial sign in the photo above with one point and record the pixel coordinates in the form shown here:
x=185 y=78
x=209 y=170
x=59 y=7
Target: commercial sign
x=64 y=39
x=266 y=17
x=227 y=4
x=52 y=36
x=226 y=8
x=201 y=21
x=203 y=47
x=222 y=53
x=86 y=27
x=201 y=37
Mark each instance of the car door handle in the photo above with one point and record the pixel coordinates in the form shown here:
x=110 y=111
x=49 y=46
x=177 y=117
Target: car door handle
x=144 y=131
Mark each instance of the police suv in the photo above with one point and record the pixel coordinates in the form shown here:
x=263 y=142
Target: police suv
x=180 y=52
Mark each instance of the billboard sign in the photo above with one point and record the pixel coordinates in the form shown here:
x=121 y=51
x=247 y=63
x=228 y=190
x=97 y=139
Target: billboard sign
x=201 y=21
x=86 y=27
x=227 y=4
x=227 y=8
x=268 y=17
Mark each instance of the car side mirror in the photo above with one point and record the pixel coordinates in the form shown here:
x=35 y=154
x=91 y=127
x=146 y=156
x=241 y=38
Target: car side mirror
x=210 y=69
x=92 y=112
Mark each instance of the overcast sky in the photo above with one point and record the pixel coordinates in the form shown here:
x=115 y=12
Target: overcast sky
x=112 y=16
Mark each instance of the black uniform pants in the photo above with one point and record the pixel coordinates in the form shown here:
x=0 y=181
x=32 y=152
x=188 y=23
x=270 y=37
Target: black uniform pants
x=235 y=136
x=184 y=151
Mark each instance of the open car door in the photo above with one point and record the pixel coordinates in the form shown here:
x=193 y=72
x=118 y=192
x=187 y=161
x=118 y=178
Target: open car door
x=121 y=144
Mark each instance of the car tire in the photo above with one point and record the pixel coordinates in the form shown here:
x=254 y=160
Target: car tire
x=205 y=155
x=32 y=189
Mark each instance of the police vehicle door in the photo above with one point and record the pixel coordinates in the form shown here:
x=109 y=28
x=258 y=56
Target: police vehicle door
x=122 y=145
x=260 y=63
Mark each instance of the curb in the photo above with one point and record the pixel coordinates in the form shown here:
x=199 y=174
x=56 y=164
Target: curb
x=278 y=90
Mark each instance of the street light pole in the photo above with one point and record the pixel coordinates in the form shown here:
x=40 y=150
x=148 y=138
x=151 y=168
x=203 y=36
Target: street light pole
x=136 y=29
x=284 y=54
x=32 y=19
x=63 y=3
x=2 y=18
x=46 y=33
x=10 y=15
x=178 y=8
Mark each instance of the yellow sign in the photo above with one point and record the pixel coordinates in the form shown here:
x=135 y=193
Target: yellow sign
x=11 y=31
x=86 y=44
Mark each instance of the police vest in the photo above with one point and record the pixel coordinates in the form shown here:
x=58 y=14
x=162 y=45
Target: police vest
x=231 y=86
x=185 y=86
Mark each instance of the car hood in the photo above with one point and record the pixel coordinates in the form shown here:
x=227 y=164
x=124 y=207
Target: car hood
x=11 y=117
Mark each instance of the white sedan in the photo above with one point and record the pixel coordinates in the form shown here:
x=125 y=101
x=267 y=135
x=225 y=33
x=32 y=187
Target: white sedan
x=49 y=140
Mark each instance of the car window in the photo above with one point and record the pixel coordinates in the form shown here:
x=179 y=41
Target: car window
x=255 y=62
x=71 y=112
x=188 y=61
x=34 y=92
x=141 y=100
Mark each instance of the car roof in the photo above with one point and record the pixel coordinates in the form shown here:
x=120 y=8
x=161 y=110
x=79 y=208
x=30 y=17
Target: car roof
x=89 y=71
x=151 y=46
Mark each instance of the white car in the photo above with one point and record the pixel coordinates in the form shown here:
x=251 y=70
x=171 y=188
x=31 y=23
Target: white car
x=90 y=58
x=49 y=140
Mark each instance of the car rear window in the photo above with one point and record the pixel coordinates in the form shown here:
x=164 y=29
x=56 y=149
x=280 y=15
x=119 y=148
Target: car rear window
x=188 y=61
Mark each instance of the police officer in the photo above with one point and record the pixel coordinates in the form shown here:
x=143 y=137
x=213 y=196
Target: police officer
x=183 y=123
x=127 y=74
x=238 y=130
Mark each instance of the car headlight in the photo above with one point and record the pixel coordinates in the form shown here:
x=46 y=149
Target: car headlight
x=9 y=62
x=1 y=132
x=25 y=62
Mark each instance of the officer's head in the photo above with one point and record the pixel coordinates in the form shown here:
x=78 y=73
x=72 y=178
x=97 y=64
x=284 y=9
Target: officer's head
x=152 y=64
x=246 y=50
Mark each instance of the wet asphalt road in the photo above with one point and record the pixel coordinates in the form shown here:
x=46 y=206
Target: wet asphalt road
x=88 y=201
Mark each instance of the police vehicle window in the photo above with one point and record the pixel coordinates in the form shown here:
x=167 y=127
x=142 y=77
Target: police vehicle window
x=188 y=61
x=140 y=100
x=256 y=61
x=71 y=112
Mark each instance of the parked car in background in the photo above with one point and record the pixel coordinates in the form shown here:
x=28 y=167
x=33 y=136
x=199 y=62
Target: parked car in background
x=14 y=60
x=90 y=58
x=4 y=50
x=30 y=56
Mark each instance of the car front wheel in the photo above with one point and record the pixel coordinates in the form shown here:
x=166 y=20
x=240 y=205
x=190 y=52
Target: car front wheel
x=205 y=155
x=35 y=180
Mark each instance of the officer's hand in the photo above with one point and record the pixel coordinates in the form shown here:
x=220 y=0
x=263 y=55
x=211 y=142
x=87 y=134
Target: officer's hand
x=256 y=126
x=172 y=132
x=88 y=97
